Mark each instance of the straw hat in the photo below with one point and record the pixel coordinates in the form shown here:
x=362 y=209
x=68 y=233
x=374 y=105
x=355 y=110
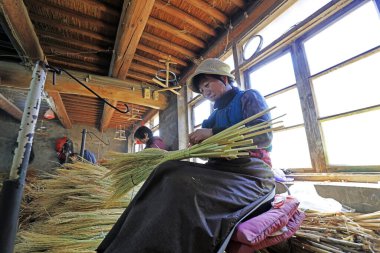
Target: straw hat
x=212 y=66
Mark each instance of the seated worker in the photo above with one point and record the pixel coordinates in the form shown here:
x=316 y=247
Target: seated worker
x=186 y=207
x=145 y=136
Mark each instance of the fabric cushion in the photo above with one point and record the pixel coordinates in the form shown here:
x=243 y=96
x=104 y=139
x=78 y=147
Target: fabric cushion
x=257 y=229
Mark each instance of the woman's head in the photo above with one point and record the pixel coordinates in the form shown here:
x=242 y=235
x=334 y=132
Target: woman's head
x=143 y=134
x=211 y=70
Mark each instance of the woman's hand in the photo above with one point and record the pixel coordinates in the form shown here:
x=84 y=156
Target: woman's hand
x=199 y=135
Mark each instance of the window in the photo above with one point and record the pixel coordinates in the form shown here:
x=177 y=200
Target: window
x=295 y=14
x=230 y=61
x=276 y=77
x=201 y=111
x=353 y=34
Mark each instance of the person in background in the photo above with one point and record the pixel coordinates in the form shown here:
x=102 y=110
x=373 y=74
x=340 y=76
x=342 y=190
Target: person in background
x=187 y=207
x=145 y=136
x=88 y=155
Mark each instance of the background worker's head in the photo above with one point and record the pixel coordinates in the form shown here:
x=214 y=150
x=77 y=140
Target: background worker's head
x=143 y=134
x=212 y=78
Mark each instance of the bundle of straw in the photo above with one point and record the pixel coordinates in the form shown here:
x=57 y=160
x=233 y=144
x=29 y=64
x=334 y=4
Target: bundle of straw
x=339 y=232
x=127 y=170
x=70 y=210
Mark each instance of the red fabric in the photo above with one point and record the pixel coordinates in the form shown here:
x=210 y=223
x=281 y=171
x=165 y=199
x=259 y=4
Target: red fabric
x=59 y=143
x=261 y=154
x=255 y=233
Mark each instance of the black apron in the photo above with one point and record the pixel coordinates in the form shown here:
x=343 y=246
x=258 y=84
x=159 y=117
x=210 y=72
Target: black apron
x=188 y=207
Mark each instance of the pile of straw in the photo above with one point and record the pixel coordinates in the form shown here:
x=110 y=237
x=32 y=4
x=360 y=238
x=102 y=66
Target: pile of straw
x=339 y=232
x=69 y=210
x=127 y=170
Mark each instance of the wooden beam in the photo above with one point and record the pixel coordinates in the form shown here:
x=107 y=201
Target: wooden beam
x=10 y=108
x=167 y=44
x=160 y=55
x=132 y=23
x=144 y=69
x=191 y=20
x=338 y=177
x=156 y=23
x=20 y=30
x=57 y=61
x=15 y=75
x=60 y=109
x=209 y=10
x=107 y=114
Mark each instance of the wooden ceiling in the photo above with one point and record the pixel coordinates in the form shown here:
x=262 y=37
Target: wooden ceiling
x=118 y=43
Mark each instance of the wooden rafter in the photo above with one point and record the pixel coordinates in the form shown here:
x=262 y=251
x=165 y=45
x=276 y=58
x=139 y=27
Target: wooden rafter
x=160 y=55
x=55 y=24
x=238 y=3
x=60 y=109
x=210 y=10
x=191 y=20
x=139 y=76
x=144 y=69
x=155 y=65
x=107 y=114
x=167 y=44
x=176 y=32
x=58 y=62
x=10 y=108
x=14 y=75
x=131 y=26
x=71 y=17
x=20 y=30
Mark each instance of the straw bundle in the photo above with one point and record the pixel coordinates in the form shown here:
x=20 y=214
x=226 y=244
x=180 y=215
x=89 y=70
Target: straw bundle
x=339 y=232
x=127 y=170
x=70 y=209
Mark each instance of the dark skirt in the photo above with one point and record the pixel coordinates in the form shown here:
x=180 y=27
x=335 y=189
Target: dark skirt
x=189 y=207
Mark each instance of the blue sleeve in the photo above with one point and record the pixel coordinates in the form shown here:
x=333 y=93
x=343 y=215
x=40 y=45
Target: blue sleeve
x=252 y=103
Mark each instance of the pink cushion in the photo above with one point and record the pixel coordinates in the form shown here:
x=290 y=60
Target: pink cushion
x=293 y=225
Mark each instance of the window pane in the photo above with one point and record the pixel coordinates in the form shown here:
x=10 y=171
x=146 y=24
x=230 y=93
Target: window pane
x=273 y=76
x=156 y=120
x=353 y=140
x=299 y=11
x=156 y=133
x=290 y=149
x=251 y=46
x=287 y=103
x=230 y=61
x=201 y=112
x=353 y=34
x=351 y=87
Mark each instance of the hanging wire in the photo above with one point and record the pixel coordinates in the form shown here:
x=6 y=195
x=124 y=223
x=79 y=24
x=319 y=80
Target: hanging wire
x=91 y=133
x=57 y=70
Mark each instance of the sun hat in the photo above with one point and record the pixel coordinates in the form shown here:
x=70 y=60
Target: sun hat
x=212 y=66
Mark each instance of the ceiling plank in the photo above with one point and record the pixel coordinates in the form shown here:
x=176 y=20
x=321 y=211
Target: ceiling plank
x=156 y=64
x=191 y=20
x=238 y=3
x=168 y=44
x=176 y=32
x=57 y=25
x=210 y=10
x=17 y=76
x=20 y=30
x=140 y=77
x=10 y=108
x=60 y=109
x=161 y=55
x=107 y=114
x=132 y=23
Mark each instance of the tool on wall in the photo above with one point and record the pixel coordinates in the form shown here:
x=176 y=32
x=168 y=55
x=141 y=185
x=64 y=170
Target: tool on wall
x=170 y=77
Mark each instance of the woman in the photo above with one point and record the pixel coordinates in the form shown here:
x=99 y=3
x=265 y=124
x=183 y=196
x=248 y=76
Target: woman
x=145 y=136
x=190 y=207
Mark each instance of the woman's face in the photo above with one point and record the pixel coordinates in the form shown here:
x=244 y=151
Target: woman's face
x=145 y=140
x=212 y=88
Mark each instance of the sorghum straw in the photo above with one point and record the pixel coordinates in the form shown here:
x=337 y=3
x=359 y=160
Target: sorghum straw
x=339 y=232
x=127 y=170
